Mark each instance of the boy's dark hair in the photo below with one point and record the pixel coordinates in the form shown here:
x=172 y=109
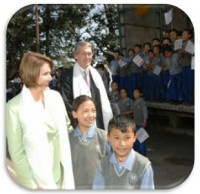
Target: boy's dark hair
x=156 y=46
x=138 y=46
x=138 y=89
x=155 y=39
x=189 y=31
x=114 y=82
x=130 y=49
x=123 y=88
x=166 y=38
x=150 y=51
x=147 y=43
x=117 y=51
x=174 y=30
x=122 y=123
x=167 y=48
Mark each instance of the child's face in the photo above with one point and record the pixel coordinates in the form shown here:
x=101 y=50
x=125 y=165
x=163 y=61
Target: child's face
x=114 y=87
x=166 y=42
x=151 y=55
x=156 y=50
x=146 y=48
x=86 y=114
x=173 y=36
x=130 y=53
x=123 y=94
x=122 y=143
x=136 y=94
x=155 y=42
x=116 y=55
x=168 y=54
x=137 y=50
x=185 y=35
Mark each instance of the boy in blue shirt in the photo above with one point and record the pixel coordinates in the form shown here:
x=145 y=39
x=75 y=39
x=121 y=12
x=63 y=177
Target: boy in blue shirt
x=124 y=168
x=174 y=90
x=140 y=116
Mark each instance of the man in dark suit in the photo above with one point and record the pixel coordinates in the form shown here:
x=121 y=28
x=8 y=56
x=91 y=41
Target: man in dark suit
x=82 y=78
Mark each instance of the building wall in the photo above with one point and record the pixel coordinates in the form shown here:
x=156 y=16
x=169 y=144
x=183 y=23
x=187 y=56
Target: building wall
x=141 y=23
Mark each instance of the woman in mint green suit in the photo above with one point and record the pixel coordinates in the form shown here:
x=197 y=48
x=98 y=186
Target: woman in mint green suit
x=37 y=129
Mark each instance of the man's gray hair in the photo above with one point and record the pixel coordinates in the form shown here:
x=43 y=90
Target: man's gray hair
x=81 y=44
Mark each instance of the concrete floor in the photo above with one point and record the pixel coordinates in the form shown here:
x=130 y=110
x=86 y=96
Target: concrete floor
x=171 y=154
x=172 y=157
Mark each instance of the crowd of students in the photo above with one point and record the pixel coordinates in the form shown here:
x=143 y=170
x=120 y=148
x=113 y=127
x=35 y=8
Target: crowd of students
x=164 y=69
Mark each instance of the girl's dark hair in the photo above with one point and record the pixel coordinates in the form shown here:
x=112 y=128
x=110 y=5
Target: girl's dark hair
x=122 y=123
x=77 y=102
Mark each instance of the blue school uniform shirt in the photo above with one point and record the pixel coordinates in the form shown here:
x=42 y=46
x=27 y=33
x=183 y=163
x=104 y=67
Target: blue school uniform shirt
x=114 y=67
x=147 y=181
x=140 y=112
x=91 y=133
x=173 y=64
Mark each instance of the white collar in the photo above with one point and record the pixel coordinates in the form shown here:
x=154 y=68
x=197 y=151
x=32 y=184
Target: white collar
x=84 y=70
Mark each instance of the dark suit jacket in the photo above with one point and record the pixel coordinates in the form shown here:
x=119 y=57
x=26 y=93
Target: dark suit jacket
x=66 y=82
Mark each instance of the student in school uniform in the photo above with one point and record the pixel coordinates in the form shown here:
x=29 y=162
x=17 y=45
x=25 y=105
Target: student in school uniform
x=145 y=56
x=115 y=98
x=135 y=78
x=115 y=91
x=156 y=76
x=88 y=143
x=114 y=66
x=125 y=103
x=173 y=37
x=150 y=94
x=174 y=92
x=125 y=72
x=124 y=168
x=140 y=116
x=188 y=72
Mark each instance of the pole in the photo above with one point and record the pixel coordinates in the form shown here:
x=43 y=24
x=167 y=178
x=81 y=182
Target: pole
x=37 y=29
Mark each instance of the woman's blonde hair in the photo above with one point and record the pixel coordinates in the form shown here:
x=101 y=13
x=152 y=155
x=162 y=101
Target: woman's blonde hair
x=30 y=66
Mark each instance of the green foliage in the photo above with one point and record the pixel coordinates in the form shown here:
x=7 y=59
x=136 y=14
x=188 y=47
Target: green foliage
x=60 y=28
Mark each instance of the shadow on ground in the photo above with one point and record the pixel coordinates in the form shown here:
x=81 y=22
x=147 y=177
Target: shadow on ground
x=172 y=157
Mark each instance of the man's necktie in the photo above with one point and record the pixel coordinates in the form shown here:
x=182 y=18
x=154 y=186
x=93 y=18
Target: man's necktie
x=85 y=76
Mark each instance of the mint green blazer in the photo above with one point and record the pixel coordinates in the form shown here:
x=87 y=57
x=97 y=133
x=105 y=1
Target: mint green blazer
x=22 y=167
